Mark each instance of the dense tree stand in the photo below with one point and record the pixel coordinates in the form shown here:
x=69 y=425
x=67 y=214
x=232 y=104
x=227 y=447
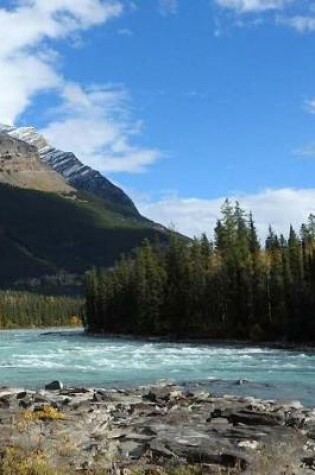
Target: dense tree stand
x=229 y=288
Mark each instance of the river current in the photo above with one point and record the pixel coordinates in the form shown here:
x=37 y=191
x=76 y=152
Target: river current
x=31 y=358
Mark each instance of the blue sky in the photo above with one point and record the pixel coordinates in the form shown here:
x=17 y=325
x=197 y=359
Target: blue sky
x=181 y=102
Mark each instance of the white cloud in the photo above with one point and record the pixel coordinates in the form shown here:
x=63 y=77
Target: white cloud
x=32 y=21
x=19 y=83
x=27 y=65
x=95 y=125
x=247 y=6
x=168 y=7
x=193 y=216
x=296 y=14
x=300 y=23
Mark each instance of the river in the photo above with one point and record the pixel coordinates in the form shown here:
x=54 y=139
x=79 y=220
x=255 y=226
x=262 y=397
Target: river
x=31 y=358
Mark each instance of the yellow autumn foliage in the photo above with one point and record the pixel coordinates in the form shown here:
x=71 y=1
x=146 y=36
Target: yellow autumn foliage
x=45 y=413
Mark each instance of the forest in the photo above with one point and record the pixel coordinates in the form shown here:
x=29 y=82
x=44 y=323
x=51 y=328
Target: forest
x=26 y=310
x=231 y=287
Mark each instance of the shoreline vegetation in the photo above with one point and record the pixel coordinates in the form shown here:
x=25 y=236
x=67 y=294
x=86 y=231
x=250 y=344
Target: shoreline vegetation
x=151 y=430
x=230 y=289
x=30 y=310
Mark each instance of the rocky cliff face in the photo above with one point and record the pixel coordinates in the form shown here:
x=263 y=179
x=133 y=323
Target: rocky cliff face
x=76 y=174
x=13 y=148
x=20 y=166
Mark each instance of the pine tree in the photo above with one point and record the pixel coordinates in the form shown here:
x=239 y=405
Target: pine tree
x=232 y=289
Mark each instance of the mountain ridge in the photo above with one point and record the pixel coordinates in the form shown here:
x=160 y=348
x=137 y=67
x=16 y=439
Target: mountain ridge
x=52 y=231
x=74 y=171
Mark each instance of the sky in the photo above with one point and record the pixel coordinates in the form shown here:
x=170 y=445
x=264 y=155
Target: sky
x=180 y=102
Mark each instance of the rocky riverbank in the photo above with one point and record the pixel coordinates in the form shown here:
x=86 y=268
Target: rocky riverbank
x=152 y=430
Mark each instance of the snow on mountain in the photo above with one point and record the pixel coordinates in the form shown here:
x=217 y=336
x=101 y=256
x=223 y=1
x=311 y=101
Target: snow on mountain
x=77 y=174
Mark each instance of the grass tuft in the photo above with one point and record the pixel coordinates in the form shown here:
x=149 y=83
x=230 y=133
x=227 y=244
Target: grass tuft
x=44 y=414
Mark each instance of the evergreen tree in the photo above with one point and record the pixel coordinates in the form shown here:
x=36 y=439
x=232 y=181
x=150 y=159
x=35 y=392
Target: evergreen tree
x=230 y=289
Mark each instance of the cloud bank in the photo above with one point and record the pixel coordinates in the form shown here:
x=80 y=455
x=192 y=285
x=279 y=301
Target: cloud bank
x=193 y=216
x=94 y=124
x=27 y=33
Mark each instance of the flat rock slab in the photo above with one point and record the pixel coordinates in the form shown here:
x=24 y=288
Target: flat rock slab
x=158 y=427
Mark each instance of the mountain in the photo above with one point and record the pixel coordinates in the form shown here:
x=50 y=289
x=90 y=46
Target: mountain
x=76 y=174
x=20 y=166
x=47 y=235
x=52 y=232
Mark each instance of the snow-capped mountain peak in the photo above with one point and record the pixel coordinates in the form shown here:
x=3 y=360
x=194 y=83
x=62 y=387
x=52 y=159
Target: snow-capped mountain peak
x=73 y=170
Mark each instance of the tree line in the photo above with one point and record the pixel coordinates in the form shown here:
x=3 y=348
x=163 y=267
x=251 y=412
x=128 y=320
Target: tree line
x=26 y=309
x=231 y=287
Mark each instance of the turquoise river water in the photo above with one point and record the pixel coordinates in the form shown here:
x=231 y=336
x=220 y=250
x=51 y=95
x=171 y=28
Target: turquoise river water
x=31 y=358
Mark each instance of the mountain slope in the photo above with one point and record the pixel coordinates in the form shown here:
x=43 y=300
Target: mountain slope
x=20 y=166
x=77 y=175
x=46 y=233
x=59 y=217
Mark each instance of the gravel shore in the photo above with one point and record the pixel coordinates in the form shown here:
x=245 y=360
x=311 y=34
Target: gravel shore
x=156 y=429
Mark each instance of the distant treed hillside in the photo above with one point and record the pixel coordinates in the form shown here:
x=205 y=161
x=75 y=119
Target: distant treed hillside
x=45 y=234
x=23 y=310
